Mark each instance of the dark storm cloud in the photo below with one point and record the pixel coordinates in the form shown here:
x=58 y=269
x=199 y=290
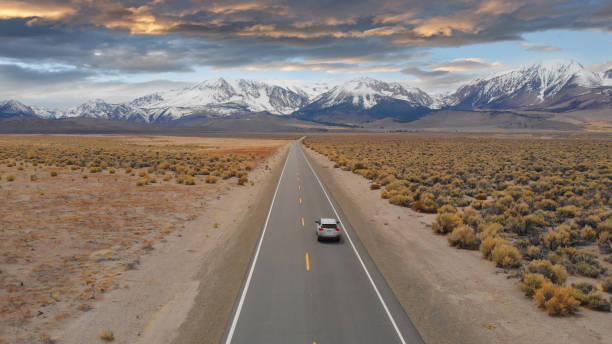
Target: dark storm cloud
x=18 y=81
x=99 y=49
x=154 y=36
x=112 y=51
x=18 y=27
x=14 y=74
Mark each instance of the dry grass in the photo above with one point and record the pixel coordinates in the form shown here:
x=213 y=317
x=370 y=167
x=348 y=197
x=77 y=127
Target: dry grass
x=556 y=300
x=183 y=157
x=65 y=239
x=107 y=335
x=515 y=198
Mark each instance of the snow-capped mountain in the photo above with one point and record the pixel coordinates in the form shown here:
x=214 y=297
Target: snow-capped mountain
x=536 y=86
x=100 y=109
x=219 y=98
x=45 y=113
x=310 y=90
x=365 y=99
x=13 y=108
x=367 y=93
x=209 y=99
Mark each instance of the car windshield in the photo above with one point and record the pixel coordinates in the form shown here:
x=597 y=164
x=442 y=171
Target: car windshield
x=328 y=225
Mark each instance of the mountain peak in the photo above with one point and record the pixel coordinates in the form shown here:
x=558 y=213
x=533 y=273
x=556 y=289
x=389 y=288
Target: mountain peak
x=206 y=84
x=223 y=97
x=9 y=102
x=12 y=103
x=363 y=80
x=564 y=72
x=96 y=101
x=366 y=92
x=221 y=82
x=12 y=107
x=529 y=86
x=558 y=64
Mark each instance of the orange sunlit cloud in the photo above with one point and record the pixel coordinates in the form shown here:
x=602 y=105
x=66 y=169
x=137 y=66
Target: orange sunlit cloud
x=141 y=21
x=385 y=31
x=498 y=6
x=443 y=26
x=20 y=9
x=395 y=18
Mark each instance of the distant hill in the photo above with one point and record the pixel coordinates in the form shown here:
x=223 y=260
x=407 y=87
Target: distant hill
x=236 y=124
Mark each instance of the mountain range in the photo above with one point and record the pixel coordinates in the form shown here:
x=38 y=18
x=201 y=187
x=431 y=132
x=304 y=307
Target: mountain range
x=552 y=87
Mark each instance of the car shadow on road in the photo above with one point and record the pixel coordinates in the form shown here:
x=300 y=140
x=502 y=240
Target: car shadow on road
x=332 y=241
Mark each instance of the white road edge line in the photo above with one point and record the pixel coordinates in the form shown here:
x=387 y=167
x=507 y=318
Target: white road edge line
x=230 y=334
x=380 y=298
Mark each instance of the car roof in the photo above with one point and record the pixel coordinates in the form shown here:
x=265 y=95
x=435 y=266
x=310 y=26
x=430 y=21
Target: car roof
x=328 y=221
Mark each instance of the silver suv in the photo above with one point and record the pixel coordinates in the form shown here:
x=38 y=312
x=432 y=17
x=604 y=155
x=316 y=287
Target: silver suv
x=327 y=228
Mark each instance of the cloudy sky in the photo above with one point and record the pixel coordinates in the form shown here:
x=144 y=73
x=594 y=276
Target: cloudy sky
x=59 y=53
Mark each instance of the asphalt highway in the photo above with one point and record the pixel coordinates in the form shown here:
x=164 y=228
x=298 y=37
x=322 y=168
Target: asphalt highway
x=299 y=290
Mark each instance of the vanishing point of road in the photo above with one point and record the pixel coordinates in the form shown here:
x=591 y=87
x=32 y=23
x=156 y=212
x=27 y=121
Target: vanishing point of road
x=298 y=290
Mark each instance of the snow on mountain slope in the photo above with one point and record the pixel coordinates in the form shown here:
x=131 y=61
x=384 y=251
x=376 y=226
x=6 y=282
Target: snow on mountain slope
x=14 y=108
x=607 y=77
x=102 y=110
x=365 y=100
x=222 y=97
x=367 y=93
x=530 y=85
x=46 y=113
x=209 y=98
x=310 y=90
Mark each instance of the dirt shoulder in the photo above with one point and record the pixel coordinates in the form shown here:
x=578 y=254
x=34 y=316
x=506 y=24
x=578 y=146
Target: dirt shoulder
x=451 y=296
x=185 y=287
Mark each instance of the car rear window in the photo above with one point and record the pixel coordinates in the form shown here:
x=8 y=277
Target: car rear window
x=329 y=225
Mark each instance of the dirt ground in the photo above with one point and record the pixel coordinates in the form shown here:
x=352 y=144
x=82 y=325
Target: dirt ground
x=452 y=296
x=72 y=248
x=156 y=299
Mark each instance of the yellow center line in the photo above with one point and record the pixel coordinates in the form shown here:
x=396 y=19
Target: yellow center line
x=302 y=222
x=299 y=187
x=307 y=262
x=300 y=200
